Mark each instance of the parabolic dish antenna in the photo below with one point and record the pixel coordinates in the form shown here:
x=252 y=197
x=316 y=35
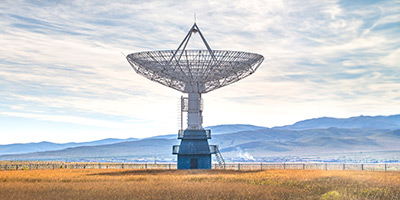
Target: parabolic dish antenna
x=195 y=71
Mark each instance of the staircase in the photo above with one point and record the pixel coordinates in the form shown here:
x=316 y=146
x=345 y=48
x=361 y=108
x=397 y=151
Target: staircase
x=220 y=159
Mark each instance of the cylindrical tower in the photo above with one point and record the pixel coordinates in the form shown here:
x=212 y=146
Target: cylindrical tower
x=195 y=117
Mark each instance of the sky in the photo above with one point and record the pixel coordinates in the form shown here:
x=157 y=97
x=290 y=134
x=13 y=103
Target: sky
x=64 y=76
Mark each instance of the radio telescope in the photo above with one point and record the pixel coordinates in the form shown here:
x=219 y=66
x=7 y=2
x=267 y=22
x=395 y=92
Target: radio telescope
x=195 y=72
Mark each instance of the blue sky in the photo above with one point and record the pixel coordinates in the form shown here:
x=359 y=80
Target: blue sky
x=63 y=77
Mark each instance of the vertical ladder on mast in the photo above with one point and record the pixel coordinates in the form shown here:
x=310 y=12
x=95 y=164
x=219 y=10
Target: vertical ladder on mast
x=182 y=107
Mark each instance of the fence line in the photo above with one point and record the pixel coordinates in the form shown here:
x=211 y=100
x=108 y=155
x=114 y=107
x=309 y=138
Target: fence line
x=228 y=166
x=305 y=166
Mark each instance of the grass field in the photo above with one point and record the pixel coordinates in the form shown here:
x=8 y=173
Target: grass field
x=198 y=184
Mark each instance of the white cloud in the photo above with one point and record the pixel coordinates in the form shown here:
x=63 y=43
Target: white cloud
x=63 y=59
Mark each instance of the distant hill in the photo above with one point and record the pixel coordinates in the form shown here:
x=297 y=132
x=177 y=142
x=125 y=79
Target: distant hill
x=319 y=136
x=20 y=148
x=147 y=148
x=267 y=142
x=232 y=128
x=219 y=129
x=244 y=144
x=371 y=122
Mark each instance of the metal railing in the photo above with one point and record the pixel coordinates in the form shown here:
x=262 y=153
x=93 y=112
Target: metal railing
x=311 y=166
x=38 y=165
x=182 y=135
x=59 y=165
x=213 y=149
x=175 y=149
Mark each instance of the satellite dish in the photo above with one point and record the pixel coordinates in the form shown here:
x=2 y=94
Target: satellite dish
x=195 y=72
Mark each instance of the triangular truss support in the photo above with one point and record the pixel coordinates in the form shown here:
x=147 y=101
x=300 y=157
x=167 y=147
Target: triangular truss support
x=183 y=45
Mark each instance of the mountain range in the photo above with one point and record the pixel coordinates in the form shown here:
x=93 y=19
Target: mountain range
x=314 y=138
x=20 y=148
x=370 y=122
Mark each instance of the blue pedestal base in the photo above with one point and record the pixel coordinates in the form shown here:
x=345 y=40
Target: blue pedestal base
x=194 y=161
x=194 y=151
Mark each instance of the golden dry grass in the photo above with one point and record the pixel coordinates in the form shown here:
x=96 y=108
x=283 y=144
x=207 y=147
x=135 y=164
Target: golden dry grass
x=198 y=184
